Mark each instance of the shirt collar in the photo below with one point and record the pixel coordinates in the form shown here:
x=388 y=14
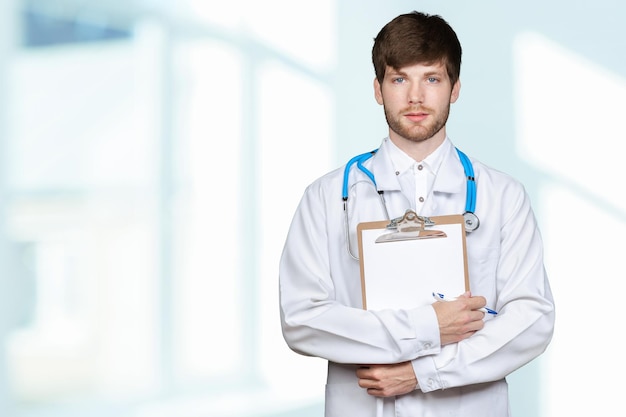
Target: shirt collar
x=448 y=180
x=402 y=162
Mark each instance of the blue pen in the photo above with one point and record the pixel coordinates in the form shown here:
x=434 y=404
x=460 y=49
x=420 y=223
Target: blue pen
x=440 y=297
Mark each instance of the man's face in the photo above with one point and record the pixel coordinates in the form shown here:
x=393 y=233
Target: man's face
x=416 y=100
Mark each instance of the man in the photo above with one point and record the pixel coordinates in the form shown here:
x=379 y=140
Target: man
x=444 y=359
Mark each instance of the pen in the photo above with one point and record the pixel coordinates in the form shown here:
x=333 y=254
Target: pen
x=440 y=297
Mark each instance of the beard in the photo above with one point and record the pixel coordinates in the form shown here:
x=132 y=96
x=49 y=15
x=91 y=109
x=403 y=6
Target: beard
x=416 y=132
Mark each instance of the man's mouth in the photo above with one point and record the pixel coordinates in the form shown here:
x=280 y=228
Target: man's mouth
x=416 y=116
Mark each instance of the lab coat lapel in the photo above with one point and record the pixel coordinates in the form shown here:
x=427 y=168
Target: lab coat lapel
x=383 y=170
x=450 y=186
x=387 y=181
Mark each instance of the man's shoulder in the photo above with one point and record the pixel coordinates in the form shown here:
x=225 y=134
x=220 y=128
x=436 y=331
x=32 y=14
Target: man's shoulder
x=331 y=180
x=497 y=180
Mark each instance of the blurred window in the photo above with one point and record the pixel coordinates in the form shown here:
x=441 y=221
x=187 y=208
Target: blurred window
x=42 y=29
x=147 y=208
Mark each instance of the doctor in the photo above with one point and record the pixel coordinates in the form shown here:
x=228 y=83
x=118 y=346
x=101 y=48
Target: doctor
x=444 y=359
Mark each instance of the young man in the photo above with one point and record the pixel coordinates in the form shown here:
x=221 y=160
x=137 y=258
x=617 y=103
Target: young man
x=444 y=359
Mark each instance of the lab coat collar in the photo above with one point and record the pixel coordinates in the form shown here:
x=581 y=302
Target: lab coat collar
x=383 y=169
x=451 y=176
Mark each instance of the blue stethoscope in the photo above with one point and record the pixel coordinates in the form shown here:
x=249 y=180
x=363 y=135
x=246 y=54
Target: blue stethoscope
x=471 y=220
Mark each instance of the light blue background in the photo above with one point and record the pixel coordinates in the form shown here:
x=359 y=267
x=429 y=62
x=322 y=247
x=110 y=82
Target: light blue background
x=114 y=153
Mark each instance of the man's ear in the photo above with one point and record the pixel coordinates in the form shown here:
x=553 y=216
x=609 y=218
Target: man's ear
x=456 y=89
x=377 y=91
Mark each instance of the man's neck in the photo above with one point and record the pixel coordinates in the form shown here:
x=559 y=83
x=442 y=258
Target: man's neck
x=418 y=150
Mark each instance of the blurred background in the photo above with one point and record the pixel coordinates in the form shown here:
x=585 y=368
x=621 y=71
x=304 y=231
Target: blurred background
x=152 y=153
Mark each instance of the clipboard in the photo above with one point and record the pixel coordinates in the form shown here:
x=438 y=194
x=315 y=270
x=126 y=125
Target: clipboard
x=403 y=261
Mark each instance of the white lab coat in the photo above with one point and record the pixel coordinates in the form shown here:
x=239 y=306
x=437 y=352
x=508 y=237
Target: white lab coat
x=321 y=306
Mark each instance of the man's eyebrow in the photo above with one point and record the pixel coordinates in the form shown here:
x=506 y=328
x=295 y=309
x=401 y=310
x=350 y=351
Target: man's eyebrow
x=399 y=72
x=394 y=71
x=434 y=72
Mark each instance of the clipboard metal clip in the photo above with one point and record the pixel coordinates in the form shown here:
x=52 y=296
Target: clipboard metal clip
x=410 y=227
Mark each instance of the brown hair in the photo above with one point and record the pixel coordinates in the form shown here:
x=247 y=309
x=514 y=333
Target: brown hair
x=417 y=38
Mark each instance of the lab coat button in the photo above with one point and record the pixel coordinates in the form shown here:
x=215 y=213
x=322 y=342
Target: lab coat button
x=431 y=382
x=427 y=345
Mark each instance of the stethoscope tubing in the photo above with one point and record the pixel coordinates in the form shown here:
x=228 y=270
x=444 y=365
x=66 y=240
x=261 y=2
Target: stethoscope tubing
x=470 y=200
x=471 y=220
x=358 y=160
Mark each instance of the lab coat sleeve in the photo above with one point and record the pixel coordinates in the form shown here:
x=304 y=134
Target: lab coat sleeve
x=320 y=314
x=523 y=328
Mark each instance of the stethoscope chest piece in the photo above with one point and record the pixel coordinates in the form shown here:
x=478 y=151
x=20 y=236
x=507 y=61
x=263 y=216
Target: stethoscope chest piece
x=471 y=221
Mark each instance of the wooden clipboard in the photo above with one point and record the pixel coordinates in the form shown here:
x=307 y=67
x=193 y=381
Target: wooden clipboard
x=402 y=272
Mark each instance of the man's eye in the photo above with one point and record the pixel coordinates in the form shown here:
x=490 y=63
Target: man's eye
x=398 y=80
x=432 y=79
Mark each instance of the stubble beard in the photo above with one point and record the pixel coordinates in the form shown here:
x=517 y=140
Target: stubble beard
x=414 y=132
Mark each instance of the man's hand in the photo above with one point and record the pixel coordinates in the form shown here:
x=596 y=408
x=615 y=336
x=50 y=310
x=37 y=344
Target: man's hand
x=387 y=380
x=459 y=319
